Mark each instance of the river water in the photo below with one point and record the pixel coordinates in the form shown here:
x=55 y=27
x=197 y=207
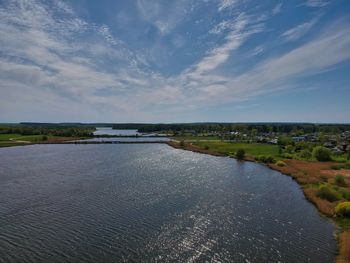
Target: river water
x=151 y=203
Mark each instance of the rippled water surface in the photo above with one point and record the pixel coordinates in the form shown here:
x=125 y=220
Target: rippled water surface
x=148 y=203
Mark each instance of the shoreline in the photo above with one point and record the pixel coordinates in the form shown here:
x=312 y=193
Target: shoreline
x=342 y=234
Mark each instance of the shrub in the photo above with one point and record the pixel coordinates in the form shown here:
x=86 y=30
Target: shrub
x=343 y=209
x=265 y=159
x=206 y=147
x=339 y=180
x=345 y=194
x=240 y=154
x=287 y=155
x=327 y=193
x=323 y=178
x=289 y=148
x=321 y=154
x=335 y=167
x=280 y=163
x=306 y=154
x=182 y=143
x=341 y=166
x=284 y=140
x=44 y=138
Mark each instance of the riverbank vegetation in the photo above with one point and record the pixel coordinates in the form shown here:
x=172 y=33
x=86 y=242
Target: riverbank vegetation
x=20 y=134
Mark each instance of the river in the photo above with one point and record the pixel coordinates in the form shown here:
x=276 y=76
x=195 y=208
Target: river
x=152 y=203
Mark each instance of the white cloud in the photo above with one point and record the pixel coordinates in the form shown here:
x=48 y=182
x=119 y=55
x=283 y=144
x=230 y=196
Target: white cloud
x=277 y=9
x=240 y=29
x=317 y=3
x=299 y=31
x=63 y=67
x=257 y=51
x=225 y=4
x=164 y=15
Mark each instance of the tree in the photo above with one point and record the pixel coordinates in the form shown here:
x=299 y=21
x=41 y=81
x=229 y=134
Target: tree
x=289 y=148
x=321 y=154
x=240 y=154
x=284 y=140
x=305 y=154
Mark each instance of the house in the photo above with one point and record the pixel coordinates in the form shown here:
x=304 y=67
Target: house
x=298 y=138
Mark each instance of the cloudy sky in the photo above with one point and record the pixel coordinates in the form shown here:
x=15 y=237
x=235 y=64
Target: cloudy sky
x=174 y=61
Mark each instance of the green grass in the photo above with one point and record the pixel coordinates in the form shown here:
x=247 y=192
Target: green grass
x=6 y=137
x=252 y=149
x=31 y=138
x=195 y=138
x=343 y=222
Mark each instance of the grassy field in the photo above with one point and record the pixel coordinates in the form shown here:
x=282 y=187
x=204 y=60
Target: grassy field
x=195 y=138
x=7 y=140
x=19 y=137
x=252 y=149
x=7 y=137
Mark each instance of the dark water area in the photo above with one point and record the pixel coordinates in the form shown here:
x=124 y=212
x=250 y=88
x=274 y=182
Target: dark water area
x=151 y=203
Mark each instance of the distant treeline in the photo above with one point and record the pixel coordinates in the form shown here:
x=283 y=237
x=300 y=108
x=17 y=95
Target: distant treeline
x=48 y=129
x=86 y=129
x=242 y=127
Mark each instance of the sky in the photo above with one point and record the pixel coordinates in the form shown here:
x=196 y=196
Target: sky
x=175 y=61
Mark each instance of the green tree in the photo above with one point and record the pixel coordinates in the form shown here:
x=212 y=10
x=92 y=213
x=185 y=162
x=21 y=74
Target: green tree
x=306 y=154
x=321 y=154
x=289 y=148
x=240 y=154
x=284 y=140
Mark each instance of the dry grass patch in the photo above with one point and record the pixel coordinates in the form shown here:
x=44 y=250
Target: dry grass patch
x=344 y=247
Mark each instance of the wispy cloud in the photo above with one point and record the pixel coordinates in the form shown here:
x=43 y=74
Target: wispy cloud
x=226 y=4
x=277 y=9
x=317 y=3
x=240 y=29
x=75 y=67
x=299 y=31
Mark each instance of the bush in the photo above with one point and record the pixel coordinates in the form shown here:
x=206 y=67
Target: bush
x=280 y=163
x=240 y=154
x=44 y=138
x=343 y=209
x=323 y=178
x=265 y=159
x=182 y=143
x=345 y=194
x=289 y=149
x=335 y=167
x=306 y=154
x=206 y=147
x=287 y=155
x=327 y=193
x=321 y=154
x=339 y=180
x=341 y=166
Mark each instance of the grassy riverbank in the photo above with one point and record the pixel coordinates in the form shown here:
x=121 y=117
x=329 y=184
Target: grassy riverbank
x=13 y=139
x=314 y=178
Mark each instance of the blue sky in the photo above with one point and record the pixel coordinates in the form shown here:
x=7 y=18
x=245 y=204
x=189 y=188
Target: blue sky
x=175 y=61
